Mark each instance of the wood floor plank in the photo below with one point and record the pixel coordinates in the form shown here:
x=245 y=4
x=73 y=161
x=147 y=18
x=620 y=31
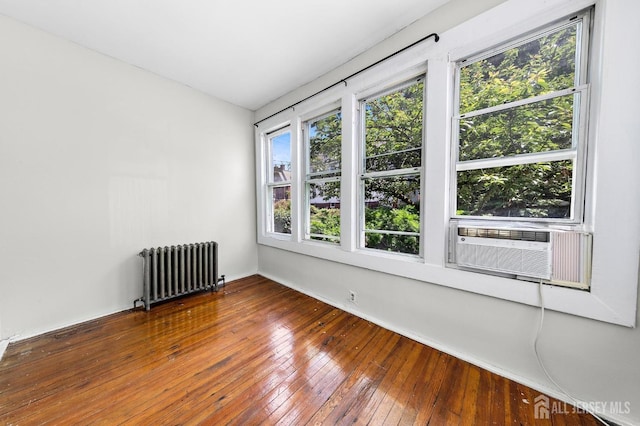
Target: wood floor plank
x=227 y=354
x=424 y=390
x=451 y=396
x=389 y=406
x=490 y=404
x=277 y=401
x=307 y=359
x=253 y=353
x=360 y=385
x=469 y=410
x=157 y=352
x=322 y=385
x=248 y=372
x=140 y=342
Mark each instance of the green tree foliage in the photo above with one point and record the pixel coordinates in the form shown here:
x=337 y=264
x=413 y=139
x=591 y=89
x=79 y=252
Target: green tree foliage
x=325 y=144
x=325 y=153
x=393 y=141
x=406 y=219
x=325 y=221
x=282 y=216
x=538 y=67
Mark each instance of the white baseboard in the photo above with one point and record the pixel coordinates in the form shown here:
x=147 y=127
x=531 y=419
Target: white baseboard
x=3 y=347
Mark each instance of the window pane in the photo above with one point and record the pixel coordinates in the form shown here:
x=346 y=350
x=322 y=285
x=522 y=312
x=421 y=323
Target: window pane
x=324 y=214
x=325 y=143
x=397 y=243
x=538 y=127
x=539 y=66
x=280 y=148
x=541 y=190
x=392 y=192
x=392 y=204
x=396 y=160
x=393 y=129
x=281 y=209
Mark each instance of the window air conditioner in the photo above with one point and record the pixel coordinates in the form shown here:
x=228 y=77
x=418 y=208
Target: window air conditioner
x=511 y=251
x=558 y=257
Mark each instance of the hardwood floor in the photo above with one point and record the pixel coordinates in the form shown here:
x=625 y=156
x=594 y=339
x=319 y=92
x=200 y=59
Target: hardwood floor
x=256 y=352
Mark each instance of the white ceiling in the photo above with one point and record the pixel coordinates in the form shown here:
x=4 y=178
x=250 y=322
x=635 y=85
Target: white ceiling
x=247 y=52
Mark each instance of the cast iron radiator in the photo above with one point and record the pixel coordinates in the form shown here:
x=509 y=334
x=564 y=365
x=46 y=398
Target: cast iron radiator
x=170 y=272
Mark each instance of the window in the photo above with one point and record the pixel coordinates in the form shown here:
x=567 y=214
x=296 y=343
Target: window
x=391 y=169
x=323 y=137
x=494 y=135
x=279 y=181
x=520 y=127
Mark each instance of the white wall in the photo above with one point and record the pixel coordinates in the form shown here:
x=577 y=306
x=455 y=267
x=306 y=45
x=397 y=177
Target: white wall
x=594 y=361
x=98 y=160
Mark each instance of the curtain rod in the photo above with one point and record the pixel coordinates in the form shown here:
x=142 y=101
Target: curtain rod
x=435 y=36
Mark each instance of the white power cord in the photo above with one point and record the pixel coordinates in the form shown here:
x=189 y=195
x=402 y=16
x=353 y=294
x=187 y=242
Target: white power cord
x=576 y=402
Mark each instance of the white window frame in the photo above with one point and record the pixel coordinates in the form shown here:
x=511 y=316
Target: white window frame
x=363 y=175
x=271 y=185
x=318 y=177
x=577 y=152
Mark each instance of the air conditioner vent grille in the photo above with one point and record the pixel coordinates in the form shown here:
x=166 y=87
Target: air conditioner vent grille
x=505 y=234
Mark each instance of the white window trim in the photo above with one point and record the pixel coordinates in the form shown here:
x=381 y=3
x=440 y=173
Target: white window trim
x=363 y=175
x=271 y=185
x=609 y=301
x=580 y=136
x=318 y=177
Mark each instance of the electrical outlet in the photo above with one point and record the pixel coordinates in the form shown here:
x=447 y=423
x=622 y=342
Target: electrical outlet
x=352 y=296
